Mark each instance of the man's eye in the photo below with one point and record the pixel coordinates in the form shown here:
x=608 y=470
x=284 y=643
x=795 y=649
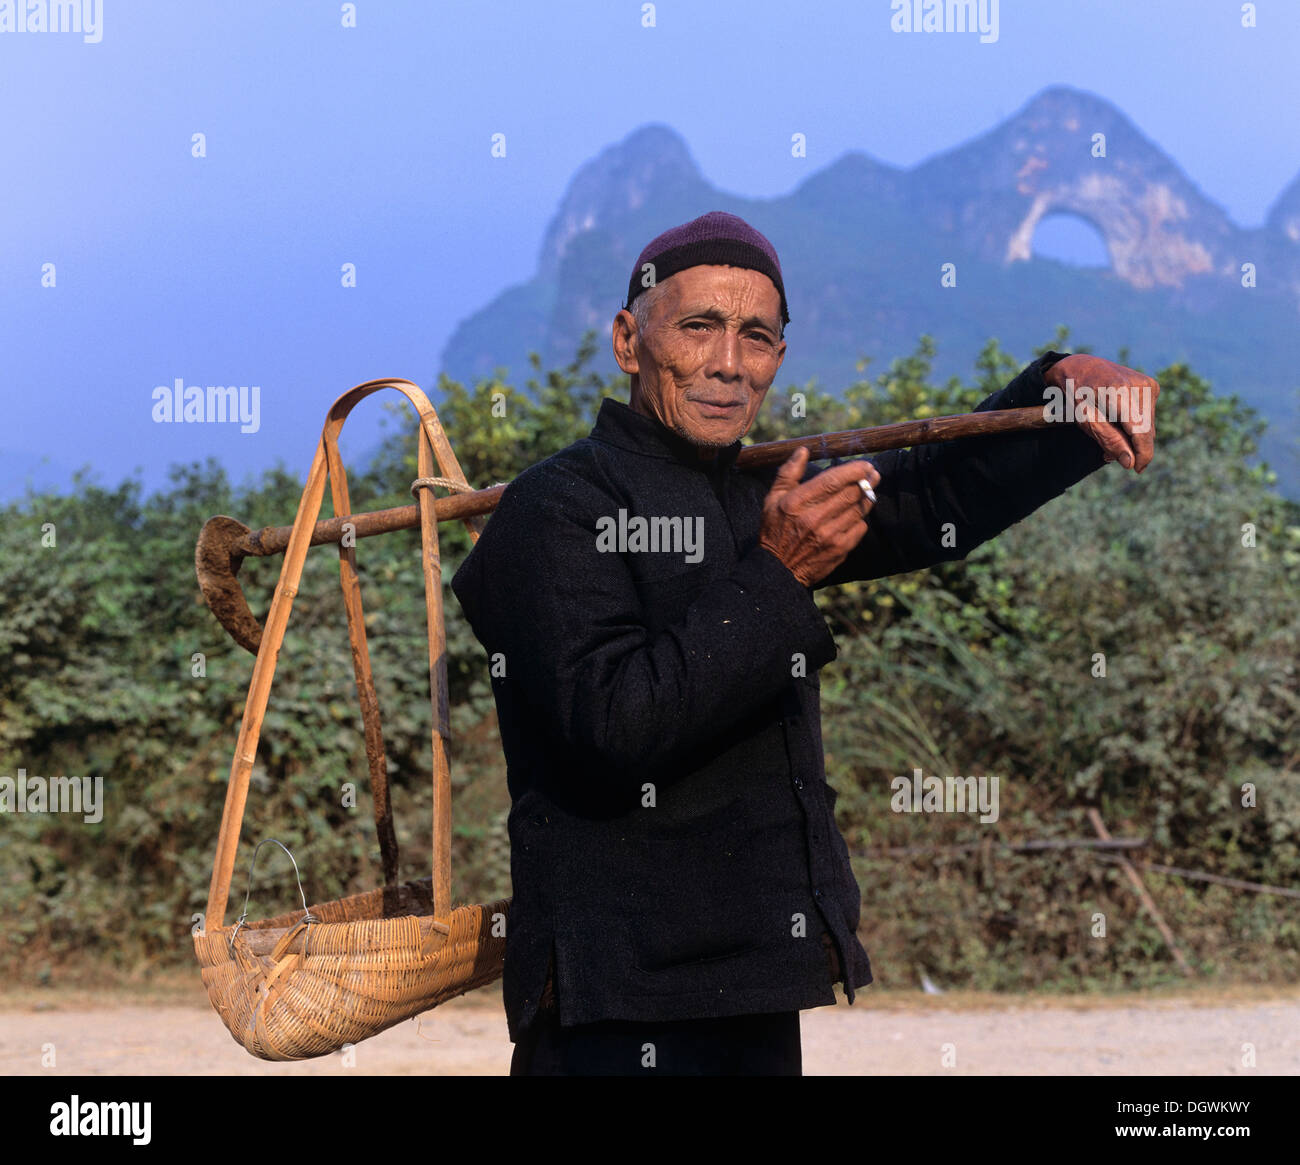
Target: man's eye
x=696 y=324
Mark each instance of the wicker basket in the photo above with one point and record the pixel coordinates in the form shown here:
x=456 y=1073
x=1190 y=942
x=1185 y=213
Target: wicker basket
x=309 y=982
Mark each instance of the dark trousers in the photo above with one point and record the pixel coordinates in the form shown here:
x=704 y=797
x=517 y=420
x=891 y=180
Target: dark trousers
x=741 y=1045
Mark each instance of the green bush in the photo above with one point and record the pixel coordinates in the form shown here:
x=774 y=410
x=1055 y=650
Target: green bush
x=984 y=667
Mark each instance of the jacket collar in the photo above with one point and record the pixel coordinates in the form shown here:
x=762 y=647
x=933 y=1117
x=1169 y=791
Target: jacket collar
x=617 y=425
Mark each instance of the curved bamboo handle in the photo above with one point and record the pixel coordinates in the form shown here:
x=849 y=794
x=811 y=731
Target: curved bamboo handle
x=432 y=438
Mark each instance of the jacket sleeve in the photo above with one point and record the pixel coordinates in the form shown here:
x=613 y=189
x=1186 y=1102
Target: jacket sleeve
x=569 y=622
x=937 y=503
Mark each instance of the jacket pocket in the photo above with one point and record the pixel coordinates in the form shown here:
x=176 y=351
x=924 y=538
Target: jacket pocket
x=696 y=901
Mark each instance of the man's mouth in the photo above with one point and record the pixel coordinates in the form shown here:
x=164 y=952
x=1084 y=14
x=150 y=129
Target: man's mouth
x=721 y=408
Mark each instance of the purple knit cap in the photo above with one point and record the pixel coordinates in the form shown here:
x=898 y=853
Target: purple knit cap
x=714 y=238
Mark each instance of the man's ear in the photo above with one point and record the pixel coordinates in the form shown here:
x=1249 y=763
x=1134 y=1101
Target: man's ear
x=624 y=342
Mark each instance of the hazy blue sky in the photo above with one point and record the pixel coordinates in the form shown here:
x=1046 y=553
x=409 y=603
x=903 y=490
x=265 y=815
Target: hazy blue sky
x=371 y=145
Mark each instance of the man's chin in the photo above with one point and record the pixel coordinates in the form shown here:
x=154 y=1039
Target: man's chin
x=710 y=438
x=716 y=435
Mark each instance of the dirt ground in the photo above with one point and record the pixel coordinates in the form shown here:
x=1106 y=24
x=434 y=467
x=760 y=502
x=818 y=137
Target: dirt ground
x=1204 y=1032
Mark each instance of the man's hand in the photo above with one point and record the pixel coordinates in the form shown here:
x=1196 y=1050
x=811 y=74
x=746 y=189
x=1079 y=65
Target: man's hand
x=1115 y=405
x=811 y=527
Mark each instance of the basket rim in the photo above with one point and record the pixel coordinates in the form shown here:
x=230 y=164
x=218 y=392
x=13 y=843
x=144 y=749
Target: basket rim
x=260 y=939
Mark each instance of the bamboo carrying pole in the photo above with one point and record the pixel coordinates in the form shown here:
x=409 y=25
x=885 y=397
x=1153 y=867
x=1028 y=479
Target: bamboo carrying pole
x=849 y=443
x=224 y=542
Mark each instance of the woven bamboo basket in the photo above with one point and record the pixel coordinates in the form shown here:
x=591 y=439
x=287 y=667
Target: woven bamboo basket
x=311 y=981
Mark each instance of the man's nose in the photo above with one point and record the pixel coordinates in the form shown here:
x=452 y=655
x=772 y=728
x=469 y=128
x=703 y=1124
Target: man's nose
x=728 y=361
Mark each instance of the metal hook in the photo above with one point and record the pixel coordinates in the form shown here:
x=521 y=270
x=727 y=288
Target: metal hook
x=307 y=915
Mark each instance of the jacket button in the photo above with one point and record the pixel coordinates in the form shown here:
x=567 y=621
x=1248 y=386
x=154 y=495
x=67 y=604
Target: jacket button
x=817 y=894
x=798 y=782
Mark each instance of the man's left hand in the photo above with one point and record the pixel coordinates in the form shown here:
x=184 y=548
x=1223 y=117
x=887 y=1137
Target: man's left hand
x=1115 y=405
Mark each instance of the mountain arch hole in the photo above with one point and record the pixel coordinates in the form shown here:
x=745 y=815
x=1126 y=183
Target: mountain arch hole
x=1070 y=238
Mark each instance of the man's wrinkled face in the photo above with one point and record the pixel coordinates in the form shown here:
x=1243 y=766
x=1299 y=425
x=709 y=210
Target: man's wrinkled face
x=708 y=353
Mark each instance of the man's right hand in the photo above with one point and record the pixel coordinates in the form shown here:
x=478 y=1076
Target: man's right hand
x=812 y=526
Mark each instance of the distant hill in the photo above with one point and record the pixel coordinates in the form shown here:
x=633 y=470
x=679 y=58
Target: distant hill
x=862 y=244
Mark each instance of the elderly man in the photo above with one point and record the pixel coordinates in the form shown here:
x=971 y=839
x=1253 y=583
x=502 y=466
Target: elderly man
x=681 y=890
